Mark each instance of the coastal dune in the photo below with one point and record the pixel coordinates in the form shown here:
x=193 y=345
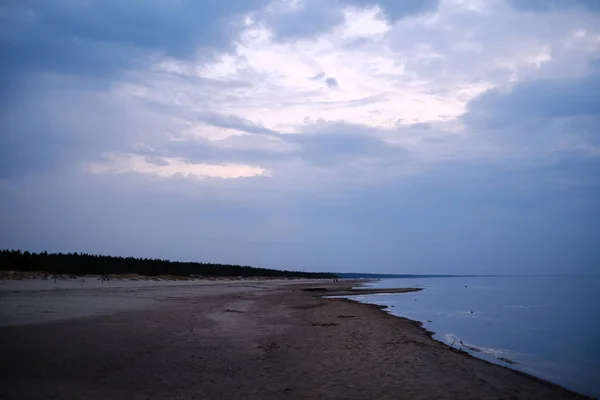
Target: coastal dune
x=244 y=340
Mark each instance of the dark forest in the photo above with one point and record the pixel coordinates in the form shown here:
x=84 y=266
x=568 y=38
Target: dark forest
x=89 y=264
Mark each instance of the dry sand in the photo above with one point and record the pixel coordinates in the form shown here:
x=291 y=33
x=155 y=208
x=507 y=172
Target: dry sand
x=243 y=340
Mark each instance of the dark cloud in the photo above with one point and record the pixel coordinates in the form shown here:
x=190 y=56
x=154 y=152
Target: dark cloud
x=49 y=126
x=331 y=82
x=397 y=9
x=102 y=37
x=233 y=122
x=420 y=126
x=538 y=99
x=31 y=142
x=310 y=17
x=48 y=130
x=330 y=143
x=321 y=143
x=555 y=5
x=313 y=17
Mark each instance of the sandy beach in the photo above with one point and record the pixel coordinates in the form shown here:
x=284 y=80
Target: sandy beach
x=230 y=340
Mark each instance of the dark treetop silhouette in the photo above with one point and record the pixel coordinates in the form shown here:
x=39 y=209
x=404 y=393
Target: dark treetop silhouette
x=81 y=264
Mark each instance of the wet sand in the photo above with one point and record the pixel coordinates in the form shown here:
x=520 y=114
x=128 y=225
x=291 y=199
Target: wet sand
x=241 y=340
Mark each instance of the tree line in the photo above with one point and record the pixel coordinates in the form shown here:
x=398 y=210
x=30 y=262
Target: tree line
x=91 y=264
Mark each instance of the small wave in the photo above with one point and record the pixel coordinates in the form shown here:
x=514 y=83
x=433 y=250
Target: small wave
x=524 y=305
x=499 y=354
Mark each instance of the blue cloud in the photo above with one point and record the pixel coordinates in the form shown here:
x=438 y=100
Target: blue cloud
x=48 y=126
x=555 y=5
x=102 y=37
x=397 y=9
x=92 y=43
x=332 y=82
x=542 y=98
x=312 y=17
x=233 y=122
x=331 y=143
x=321 y=143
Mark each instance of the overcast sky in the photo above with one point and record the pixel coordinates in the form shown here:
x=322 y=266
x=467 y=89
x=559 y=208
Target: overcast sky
x=415 y=136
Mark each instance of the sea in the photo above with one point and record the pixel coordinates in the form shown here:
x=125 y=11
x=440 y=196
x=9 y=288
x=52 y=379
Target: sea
x=546 y=326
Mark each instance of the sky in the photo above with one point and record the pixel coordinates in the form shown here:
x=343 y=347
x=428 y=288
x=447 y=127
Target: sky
x=387 y=136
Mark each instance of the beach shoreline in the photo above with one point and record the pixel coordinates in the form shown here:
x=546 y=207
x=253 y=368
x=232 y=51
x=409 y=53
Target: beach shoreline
x=531 y=339
x=430 y=334
x=255 y=340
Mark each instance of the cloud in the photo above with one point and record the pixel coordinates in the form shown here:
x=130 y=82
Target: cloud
x=544 y=98
x=233 y=122
x=540 y=117
x=293 y=20
x=169 y=167
x=548 y=44
x=332 y=83
x=394 y=9
x=103 y=38
x=336 y=143
x=57 y=122
x=260 y=101
x=325 y=135
x=555 y=5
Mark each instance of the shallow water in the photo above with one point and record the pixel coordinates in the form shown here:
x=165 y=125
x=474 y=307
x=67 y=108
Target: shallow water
x=546 y=326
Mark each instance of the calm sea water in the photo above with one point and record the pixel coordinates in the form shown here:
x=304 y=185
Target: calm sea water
x=546 y=326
